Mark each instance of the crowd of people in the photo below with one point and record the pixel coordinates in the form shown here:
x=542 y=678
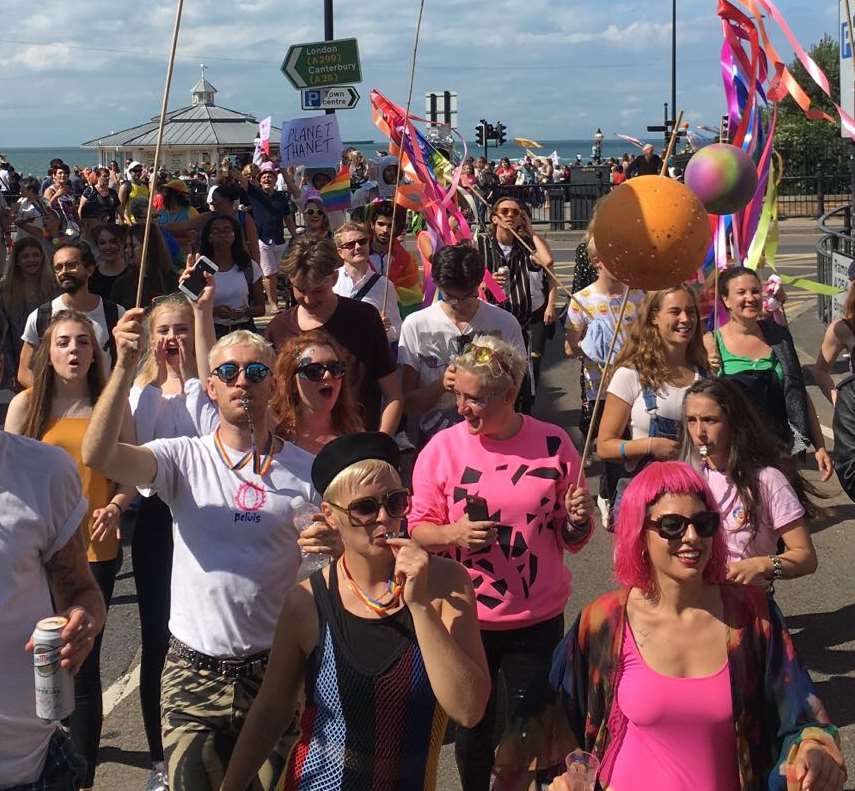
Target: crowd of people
x=306 y=369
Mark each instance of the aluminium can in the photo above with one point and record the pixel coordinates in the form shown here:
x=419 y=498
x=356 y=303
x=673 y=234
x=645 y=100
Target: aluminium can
x=54 y=684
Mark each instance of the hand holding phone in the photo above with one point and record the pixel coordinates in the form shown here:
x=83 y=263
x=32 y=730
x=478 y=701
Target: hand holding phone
x=193 y=285
x=475 y=530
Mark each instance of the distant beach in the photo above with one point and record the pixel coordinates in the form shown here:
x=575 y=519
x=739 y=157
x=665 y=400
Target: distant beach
x=35 y=160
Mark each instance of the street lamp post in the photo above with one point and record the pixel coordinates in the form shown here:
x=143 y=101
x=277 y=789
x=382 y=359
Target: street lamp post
x=598 y=146
x=673 y=63
x=328 y=30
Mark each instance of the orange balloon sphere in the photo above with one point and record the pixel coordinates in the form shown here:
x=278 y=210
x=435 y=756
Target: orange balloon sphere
x=652 y=232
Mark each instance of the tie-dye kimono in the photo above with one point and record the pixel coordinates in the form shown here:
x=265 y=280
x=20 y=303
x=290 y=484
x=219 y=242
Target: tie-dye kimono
x=774 y=703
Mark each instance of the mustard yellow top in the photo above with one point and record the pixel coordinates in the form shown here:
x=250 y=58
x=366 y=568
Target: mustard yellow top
x=67 y=433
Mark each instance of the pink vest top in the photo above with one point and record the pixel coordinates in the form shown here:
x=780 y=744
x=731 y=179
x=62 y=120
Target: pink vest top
x=679 y=732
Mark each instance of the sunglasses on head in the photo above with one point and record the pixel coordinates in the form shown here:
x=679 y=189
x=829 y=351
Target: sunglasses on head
x=314 y=372
x=353 y=243
x=366 y=510
x=229 y=372
x=484 y=355
x=674 y=526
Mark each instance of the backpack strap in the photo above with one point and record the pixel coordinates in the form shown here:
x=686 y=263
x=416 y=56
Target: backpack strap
x=111 y=316
x=366 y=287
x=43 y=315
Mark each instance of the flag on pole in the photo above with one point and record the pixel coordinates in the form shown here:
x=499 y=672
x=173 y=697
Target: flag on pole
x=335 y=196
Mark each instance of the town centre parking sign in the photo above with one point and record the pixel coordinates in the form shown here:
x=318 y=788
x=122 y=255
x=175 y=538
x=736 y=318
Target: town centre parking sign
x=323 y=63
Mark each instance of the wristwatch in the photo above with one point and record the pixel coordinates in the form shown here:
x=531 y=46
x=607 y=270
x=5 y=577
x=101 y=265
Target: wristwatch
x=777 y=567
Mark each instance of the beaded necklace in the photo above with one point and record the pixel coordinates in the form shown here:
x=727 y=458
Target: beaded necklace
x=375 y=605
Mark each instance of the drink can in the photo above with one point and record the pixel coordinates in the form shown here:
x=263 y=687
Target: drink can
x=54 y=684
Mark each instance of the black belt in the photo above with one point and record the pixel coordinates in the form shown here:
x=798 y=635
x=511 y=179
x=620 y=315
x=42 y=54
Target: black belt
x=230 y=667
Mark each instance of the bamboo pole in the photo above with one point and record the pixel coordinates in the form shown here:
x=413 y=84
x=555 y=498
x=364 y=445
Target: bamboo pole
x=153 y=180
x=401 y=155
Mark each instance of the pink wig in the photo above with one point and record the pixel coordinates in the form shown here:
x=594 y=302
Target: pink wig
x=632 y=568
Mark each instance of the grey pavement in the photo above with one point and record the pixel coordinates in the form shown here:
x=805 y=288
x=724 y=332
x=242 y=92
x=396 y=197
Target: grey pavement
x=820 y=609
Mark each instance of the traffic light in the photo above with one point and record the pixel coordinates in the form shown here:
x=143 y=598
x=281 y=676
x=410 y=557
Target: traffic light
x=500 y=134
x=479 y=133
x=490 y=134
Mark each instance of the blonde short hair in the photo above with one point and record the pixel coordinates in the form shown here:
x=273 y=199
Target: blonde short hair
x=349 y=227
x=505 y=367
x=362 y=473
x=244 y=338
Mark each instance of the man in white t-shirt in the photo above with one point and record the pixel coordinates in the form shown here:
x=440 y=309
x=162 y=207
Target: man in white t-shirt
x=235 y=551
x=431 y=338
x=73 y=265
x=358 y=280
x=42 y=557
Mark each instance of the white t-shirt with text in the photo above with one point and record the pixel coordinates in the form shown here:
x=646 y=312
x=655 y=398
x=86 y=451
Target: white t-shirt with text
x=235 y=548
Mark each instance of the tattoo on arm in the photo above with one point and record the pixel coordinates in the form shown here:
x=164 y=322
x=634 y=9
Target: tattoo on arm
x=71 y=581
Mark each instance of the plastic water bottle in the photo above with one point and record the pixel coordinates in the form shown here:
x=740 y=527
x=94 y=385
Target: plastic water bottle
x=303 y=512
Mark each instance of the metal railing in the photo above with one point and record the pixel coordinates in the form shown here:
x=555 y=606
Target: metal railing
x=836 y=226
x=812 y=196
x=560 y=206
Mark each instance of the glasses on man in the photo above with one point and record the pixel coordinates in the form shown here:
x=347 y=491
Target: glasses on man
x=229 y=372
x=460 y=301
x=315 y=372
x=674 y=526
x=366 y=510
x=71 y=266
x=353 y=243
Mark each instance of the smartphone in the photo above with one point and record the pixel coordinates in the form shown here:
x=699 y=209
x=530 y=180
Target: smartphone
x=194 y=284
x=476 y=509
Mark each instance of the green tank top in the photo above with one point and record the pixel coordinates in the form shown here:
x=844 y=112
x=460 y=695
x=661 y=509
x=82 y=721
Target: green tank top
x=736 y=364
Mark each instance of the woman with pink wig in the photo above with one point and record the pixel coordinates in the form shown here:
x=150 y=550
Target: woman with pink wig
x=678 y=680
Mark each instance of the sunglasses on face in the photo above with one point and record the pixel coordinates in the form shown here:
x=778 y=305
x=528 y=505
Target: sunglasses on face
x=353 y=244
x=314 y=372
x=366 y=510
x=229 y=372
x=313 y=212
x=674 y=526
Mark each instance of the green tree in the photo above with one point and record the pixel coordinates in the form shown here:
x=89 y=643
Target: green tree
x=809 y=147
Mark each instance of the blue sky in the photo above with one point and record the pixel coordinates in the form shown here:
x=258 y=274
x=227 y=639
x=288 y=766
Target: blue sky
x=547 y=68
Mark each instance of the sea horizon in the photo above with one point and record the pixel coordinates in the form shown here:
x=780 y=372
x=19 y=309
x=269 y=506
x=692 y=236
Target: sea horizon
x=34 y=160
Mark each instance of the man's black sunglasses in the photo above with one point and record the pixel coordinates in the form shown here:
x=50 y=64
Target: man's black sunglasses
x=229 y=372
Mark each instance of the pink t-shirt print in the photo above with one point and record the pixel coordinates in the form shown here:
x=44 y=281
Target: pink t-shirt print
x=520 y=579
x=780 y=508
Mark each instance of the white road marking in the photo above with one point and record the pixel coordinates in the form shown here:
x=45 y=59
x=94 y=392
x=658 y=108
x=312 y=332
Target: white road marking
x=123 y=686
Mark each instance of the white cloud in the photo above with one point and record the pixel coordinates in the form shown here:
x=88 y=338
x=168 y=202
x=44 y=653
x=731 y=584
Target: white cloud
x=546 y=68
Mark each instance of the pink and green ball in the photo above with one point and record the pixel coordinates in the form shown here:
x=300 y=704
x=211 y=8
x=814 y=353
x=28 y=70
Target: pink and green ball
x=723 y=176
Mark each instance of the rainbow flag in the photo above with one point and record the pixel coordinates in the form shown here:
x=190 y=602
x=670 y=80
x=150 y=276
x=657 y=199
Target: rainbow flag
x=335 y=196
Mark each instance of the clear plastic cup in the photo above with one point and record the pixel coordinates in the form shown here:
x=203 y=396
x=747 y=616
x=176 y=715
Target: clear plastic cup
x=582 y=770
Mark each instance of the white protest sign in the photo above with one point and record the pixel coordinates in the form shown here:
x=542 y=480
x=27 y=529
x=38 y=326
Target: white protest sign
x=313 y=142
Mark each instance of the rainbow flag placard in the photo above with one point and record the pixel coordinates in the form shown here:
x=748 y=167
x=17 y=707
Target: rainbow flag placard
x=335 y=196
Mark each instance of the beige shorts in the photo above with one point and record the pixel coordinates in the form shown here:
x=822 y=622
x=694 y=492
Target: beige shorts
x=271 y=257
